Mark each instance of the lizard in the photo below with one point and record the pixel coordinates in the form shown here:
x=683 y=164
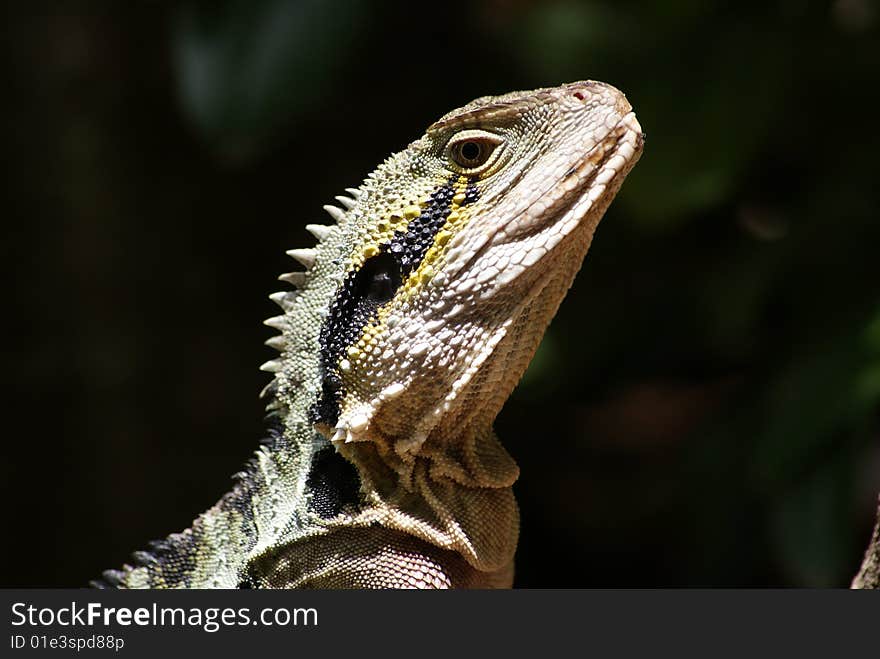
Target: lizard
x=405 y=331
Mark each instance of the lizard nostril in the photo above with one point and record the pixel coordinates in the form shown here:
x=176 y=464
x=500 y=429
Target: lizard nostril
x=579 y=96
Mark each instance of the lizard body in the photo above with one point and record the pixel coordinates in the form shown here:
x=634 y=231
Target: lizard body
x=417 y=313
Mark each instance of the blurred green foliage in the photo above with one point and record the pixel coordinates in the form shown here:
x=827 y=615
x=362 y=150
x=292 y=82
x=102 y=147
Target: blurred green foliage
x=704 y=409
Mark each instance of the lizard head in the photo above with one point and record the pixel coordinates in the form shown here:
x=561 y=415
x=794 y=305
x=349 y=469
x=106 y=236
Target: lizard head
x=451 y=260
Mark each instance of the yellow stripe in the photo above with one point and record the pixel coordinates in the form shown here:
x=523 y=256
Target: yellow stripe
x=415 y=282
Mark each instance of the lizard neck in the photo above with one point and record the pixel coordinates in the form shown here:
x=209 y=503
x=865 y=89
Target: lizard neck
x=456 y=494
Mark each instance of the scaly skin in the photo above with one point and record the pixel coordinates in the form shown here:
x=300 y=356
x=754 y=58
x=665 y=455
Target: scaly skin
x=416 y=315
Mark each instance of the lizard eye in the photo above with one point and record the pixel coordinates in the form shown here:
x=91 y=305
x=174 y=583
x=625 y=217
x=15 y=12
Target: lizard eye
x=470 y=153
x=473 y=151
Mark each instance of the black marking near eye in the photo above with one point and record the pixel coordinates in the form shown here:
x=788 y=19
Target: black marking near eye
x=378 y=278
x=471 y=193
x=364 y=291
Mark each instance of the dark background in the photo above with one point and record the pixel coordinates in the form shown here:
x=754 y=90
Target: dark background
x=704 y=408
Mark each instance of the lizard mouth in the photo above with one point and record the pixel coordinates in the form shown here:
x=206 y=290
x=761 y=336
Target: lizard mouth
x=595 y=178
x=623 y=142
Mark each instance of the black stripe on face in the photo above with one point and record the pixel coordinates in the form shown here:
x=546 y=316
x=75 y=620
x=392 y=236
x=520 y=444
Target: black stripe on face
x=366 y=290
x=357 y=302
